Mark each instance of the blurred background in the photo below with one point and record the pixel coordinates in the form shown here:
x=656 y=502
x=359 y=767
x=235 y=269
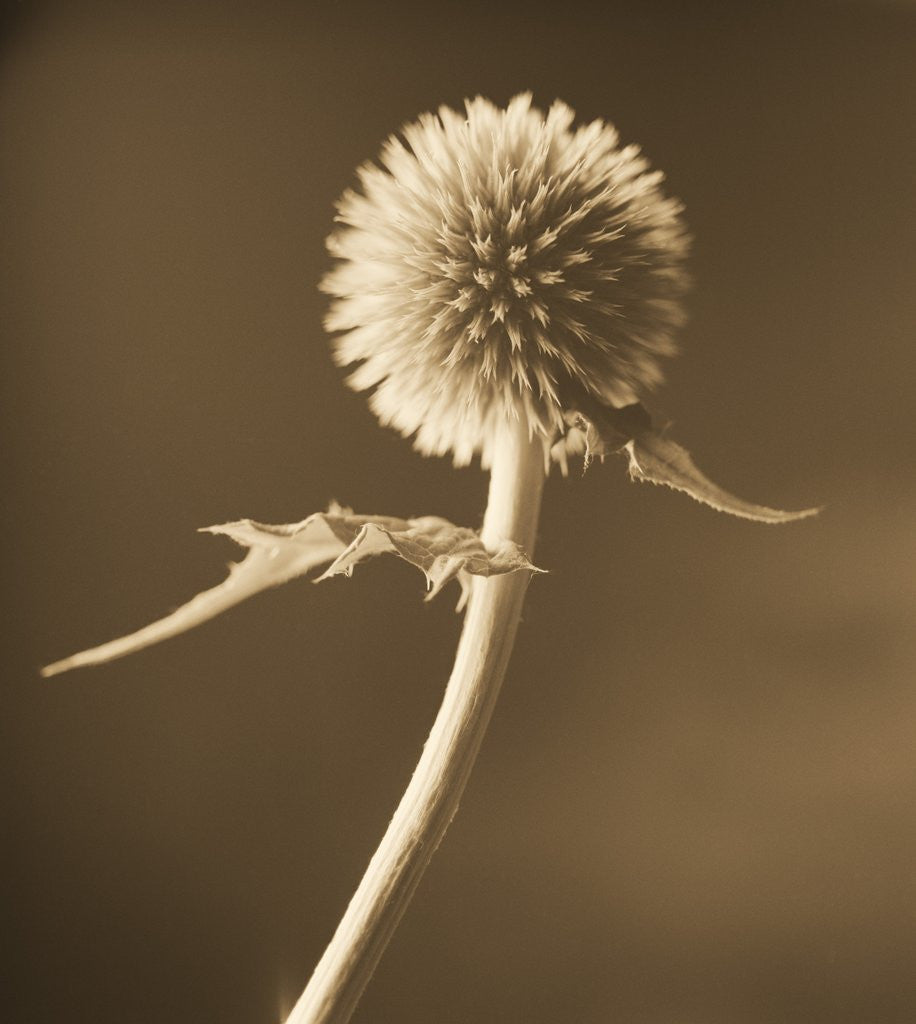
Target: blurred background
x=697 y=800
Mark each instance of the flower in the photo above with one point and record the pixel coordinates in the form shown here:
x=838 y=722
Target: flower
x=496 y=264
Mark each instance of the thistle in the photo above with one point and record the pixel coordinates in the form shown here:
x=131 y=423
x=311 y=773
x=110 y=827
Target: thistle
x=497 y=265
x=507 y=286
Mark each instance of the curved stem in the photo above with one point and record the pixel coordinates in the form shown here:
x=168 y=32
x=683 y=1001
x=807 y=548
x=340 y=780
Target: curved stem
x=431 y=799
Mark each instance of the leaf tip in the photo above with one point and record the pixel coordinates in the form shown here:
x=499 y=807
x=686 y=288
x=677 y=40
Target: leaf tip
x=794 y=517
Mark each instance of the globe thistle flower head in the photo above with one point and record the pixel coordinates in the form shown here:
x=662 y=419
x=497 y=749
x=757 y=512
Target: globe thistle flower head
x=496 y=264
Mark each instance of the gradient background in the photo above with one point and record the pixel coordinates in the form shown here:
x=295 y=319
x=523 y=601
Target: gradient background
x=697 y=800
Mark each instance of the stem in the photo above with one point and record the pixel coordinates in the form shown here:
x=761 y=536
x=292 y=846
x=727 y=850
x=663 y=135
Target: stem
x=431 y=799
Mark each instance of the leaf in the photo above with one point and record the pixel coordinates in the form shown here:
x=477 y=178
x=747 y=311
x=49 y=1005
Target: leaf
x=657 y=459
x=442 y=551
x=277 y=554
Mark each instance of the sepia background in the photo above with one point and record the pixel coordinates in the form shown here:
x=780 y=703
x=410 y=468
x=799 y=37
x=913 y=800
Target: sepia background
x=697 y=800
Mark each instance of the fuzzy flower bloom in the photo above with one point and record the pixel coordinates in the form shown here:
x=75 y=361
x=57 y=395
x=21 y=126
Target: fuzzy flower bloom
x=500 y=263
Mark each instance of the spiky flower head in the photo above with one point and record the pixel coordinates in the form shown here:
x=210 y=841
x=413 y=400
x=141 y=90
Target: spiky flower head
x=498 y=263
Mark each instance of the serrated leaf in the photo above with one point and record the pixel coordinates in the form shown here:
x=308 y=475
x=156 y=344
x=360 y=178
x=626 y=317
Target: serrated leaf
x=441 y=550
x=657 y=459
x=277 y=554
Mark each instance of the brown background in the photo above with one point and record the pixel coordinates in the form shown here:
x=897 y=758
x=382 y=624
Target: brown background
x=697 y=801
